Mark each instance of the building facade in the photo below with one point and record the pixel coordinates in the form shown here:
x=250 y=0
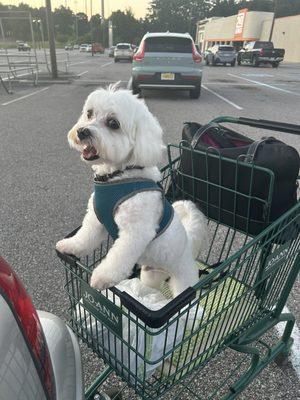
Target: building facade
x=248 y=26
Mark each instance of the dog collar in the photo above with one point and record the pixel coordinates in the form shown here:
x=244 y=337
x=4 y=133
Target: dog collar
x=118 y=172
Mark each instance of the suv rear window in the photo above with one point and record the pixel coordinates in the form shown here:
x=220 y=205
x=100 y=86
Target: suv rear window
x=263 y=45
x=163 y=44
x=226 y=48
x=123 y=46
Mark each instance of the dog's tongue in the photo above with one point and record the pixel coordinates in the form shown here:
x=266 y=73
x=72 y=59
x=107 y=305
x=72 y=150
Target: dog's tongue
x=89 y=152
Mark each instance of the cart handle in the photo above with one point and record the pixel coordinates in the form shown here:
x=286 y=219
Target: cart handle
x=153 y=319
x=260 y=123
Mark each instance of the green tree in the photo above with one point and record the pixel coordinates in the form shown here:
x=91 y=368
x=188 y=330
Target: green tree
x=96 y=27
x=83 y=25
x=177 y=15
x=64 y=22
x=126 y=27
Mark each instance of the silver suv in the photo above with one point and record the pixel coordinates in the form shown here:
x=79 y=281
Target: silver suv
x=221 y=54
x=123 y=51
x=167 y=61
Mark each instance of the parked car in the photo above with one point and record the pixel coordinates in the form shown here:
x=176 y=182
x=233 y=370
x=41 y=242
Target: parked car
x=97 y=48
x=111 y=51
x=89 y=48
x=167 y=61
x=221 y=54
x=23 y=46
x=39 y=354
x=76 y=47
x=259 y=52
x=69 y=47
x=123 y=51
x=83 y=47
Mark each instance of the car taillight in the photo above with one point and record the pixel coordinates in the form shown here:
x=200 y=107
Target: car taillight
x=140 y=54
x=30 y=325
x=196 y=56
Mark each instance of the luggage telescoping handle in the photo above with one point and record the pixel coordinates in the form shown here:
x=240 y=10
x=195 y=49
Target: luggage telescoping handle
x=260 y=123
x=153 y=319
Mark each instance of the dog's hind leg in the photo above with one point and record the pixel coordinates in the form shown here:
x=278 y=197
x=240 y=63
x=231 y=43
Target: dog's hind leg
x=153 y=277
x=187 y=275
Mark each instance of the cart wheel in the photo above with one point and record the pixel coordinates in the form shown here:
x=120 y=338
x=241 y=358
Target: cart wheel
x=110 y=394
x=281 y=360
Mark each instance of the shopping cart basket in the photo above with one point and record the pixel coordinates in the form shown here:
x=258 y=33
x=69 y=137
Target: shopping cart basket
x=232 y=307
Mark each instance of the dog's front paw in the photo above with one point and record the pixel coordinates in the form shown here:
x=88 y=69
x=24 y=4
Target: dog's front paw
x=68 y=246
x=99 y=281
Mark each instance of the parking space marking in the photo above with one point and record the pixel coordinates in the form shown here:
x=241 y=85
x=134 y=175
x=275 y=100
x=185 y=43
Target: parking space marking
x=223 y=98
x=104 y=65
x=295 y=350
x=82 y=73
x=266 y=85
x=78 y=62
x=25 y=97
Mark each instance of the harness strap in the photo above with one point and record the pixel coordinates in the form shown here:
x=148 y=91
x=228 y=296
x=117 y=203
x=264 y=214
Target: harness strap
x=108 y=196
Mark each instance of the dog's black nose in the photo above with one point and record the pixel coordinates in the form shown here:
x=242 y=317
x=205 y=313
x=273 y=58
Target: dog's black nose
x=83 y=133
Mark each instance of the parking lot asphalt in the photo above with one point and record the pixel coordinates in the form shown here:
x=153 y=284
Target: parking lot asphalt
x=45 y=187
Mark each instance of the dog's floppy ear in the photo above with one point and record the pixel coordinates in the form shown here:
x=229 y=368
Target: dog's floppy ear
x=149 y=146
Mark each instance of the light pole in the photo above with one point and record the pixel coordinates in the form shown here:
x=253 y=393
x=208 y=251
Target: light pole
x=273 y=20
x=51 y=38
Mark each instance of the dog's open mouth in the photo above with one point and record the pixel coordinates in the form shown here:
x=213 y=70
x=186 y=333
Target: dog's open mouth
x=90 y=153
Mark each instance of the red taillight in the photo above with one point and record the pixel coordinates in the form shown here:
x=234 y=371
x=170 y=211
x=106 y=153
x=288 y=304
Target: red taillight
x=28 y=320
x=196 y=56
x=140 y=54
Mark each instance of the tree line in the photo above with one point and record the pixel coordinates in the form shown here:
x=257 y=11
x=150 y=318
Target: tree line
x=162 y=15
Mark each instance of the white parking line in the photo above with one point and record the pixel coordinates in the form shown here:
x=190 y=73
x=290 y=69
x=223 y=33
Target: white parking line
x=223 y=98
x=129 y=84
x=295 y=350
x=24 y=97
x=82 y=73
x=79 y=62
x=104 y=65
x=265 y=84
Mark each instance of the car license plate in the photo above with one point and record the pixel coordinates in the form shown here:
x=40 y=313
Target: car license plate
x=167 y=76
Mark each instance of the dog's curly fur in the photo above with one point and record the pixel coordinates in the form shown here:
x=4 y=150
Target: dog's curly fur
x=137 y=141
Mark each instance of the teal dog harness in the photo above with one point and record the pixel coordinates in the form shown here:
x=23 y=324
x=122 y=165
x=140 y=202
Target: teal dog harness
x=109 y=195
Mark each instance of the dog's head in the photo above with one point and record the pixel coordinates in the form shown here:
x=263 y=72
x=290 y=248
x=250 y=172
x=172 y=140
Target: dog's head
x=116 y=128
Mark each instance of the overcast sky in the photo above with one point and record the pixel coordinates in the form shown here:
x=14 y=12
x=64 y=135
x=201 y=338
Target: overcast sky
x=139 y=7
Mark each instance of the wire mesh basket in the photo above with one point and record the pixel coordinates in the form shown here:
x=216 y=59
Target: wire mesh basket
x=233 y=305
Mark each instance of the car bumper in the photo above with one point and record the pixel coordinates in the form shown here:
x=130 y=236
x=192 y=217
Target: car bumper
x=123 y=55
x=154 y=81
x=223 y=60
x=270 y=59
x=65 y=357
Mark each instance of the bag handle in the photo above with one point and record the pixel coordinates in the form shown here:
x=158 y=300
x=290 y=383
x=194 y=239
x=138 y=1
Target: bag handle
x=260 y=123
x=219 y=138
x=200 y=132
x=253 y=149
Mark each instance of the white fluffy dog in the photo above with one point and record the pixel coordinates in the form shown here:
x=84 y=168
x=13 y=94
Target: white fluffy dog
x=119 y=137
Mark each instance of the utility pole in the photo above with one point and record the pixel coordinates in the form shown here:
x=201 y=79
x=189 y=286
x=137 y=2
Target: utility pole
x=273 y=20
x=102 y=9
x=103 y=22
x=2 y=30
x=51 y=38
x=110 y=33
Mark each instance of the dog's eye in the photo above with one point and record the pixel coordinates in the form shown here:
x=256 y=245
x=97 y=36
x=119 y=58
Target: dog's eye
x=89 y=114
x=112 y=123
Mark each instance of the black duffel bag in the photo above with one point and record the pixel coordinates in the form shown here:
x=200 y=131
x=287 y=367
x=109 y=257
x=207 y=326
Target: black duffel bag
x=234 y=180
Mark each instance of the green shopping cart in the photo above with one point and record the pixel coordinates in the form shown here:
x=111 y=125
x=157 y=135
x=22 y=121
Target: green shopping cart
x=244 y=285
